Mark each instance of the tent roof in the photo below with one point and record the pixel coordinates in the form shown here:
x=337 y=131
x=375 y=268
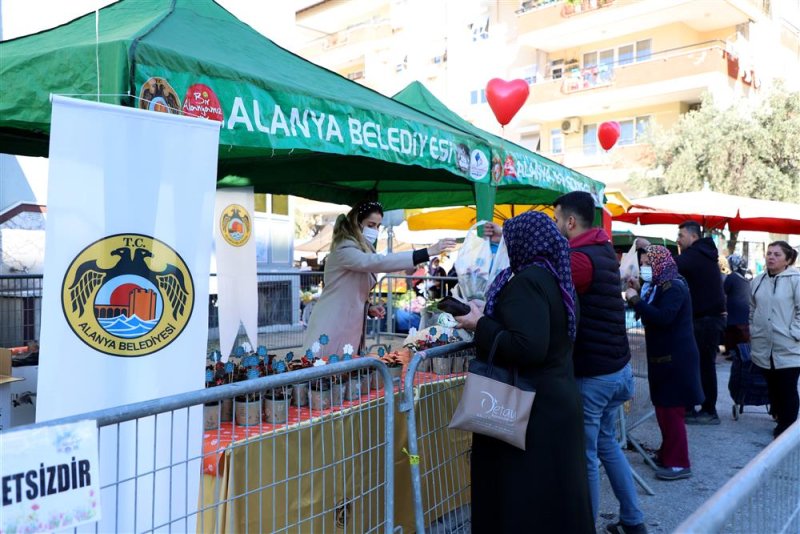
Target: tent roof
x=289 y=126
x=530 y=179
x=715 y=210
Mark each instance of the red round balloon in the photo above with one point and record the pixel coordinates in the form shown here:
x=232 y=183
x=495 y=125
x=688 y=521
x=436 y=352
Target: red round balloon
x=607 y=134
x=506 y=98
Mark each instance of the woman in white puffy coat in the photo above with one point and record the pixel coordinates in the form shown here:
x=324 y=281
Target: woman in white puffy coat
x=775 y=330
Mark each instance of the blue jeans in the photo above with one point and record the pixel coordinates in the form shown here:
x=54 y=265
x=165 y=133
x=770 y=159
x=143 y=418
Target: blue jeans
x=602 y=397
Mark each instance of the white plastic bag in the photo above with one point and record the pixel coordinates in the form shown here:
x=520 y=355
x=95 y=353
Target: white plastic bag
x=629 y=265
x=473 y=264
x=500 y=261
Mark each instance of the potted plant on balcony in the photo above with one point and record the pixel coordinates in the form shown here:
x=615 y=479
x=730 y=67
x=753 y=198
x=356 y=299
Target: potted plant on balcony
x=570 y=7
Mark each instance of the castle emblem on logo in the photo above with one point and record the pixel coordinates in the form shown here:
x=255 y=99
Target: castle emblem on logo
x=235 y=225
x=127 y=295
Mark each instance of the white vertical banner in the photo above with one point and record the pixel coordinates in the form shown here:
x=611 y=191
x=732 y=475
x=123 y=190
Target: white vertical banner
x=125 y=303
x=237 y=286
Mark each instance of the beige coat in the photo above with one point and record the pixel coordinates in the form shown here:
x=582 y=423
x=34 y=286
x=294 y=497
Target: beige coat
x=340 y=312
x=775 y=319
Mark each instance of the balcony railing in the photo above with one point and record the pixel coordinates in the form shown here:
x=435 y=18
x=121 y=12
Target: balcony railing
x=568 y=9
x=590 y=77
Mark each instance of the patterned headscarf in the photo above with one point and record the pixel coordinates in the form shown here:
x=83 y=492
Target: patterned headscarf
x=664 y=267
x=737 y=263
x=533 y=239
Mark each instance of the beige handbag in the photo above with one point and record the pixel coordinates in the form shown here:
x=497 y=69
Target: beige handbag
x=495 y=402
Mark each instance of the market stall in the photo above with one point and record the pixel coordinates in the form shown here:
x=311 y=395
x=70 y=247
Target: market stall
x=239 y=474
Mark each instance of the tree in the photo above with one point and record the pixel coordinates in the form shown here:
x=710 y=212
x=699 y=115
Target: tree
x=747 y=149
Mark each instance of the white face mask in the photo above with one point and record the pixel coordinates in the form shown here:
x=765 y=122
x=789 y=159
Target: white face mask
x=646 y=273
x=370 y=234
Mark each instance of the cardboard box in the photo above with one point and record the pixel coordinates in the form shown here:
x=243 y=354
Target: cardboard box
x=6 y=379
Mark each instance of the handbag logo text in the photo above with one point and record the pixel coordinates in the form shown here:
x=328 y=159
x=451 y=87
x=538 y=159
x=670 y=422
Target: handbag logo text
x=495 y=410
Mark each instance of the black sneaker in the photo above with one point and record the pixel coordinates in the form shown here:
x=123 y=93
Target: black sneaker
x=656 y=460
x=703 y=418
x=620 y=528
x=674 y=473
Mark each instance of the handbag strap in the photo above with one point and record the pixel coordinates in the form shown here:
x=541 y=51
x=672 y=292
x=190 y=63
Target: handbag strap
x=490 y=359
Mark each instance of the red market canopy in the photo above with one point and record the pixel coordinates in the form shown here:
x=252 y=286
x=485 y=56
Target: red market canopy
x=715 y=210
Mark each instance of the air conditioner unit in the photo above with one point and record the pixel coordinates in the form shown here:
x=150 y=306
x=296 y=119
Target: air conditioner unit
x=571 y=125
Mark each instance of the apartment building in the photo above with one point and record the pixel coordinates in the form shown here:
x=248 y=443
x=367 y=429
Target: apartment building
x=638 y=62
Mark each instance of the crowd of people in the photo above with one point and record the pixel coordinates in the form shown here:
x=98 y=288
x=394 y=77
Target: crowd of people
x=683 y=306
x=557 y=316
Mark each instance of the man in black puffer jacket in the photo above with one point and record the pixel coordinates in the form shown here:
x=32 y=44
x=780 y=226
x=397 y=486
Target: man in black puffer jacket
x=601 y=356
x=698 y=264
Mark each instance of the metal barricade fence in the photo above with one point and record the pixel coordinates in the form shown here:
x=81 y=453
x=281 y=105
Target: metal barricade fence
x=439 y=457
x=764 y=497
x=639 y=408
x=325 y=465
x=20 y=309
x=282 y=314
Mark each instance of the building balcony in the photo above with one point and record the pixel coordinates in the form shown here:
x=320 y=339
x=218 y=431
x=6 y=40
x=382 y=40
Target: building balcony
x=342 y=46
x=552 y=25
x=678 y=75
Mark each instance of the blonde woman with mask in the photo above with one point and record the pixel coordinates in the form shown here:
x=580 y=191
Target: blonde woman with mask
x=350 y=268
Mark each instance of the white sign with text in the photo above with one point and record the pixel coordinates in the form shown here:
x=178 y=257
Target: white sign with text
x=49 y=478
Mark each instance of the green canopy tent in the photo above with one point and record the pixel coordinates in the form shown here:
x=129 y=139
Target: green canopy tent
x=289 y=126
x=518 y=175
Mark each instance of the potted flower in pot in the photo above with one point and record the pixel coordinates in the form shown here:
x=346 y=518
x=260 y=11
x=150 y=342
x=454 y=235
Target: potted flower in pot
x=276 y=401
x=338 y=383
x=300 y=391
x=228 y=372
x=353 y=379
x=247 y=408
x=395 y=362
x=321 y=393
x=211 y=410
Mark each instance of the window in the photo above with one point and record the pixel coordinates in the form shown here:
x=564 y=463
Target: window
x=480 y=30
x=644 y=50
x=280 y=205
x=477 y=96
x=590 y=139
x=625 y=132
x=260 y=202
x=589 y=60
x=607 y=57
x=642 y=128
x=625 y=54
x=556 y=141
x=557 y=68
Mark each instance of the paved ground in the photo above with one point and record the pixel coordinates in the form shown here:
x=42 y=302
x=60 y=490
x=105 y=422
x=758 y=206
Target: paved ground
x=716 y=453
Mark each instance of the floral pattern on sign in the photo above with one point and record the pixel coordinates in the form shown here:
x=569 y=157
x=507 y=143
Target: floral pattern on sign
x=67 y=442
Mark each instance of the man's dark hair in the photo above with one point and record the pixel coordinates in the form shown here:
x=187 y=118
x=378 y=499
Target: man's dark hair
x=579 y=204
x=691 y=227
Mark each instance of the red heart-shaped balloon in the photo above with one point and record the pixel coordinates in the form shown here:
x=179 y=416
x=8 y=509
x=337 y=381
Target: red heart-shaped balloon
x=506 y=98
x=607 y=134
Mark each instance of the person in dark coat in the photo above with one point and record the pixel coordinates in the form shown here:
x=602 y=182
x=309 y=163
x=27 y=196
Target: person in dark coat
x=673 y=372
x=737 y=296
x=532 y=305
x=698 y=264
